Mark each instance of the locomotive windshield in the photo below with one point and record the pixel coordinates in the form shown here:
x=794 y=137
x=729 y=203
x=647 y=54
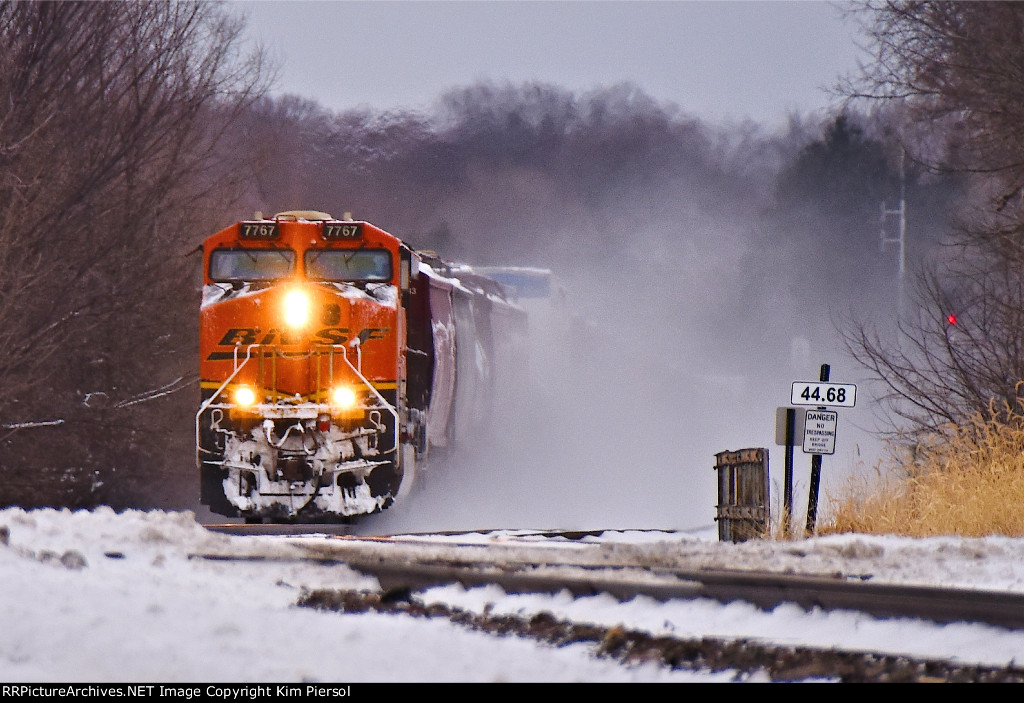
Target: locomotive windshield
x=251 y=264
x=370 y=265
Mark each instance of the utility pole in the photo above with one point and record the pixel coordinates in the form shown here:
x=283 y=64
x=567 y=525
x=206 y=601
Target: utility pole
x=901 y=235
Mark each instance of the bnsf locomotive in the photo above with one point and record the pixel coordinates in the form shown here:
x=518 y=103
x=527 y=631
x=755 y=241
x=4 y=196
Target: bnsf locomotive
x=333 y=357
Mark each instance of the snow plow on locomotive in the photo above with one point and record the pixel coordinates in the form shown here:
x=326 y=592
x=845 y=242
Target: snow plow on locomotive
x=333 y=358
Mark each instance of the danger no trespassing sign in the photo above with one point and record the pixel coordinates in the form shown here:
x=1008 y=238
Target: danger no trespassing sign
x=820 y=431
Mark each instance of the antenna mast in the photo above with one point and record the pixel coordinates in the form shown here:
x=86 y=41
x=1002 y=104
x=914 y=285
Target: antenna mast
x=900 y=238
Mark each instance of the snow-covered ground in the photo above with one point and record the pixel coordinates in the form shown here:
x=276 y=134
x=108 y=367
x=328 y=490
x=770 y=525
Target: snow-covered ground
x=95 y=596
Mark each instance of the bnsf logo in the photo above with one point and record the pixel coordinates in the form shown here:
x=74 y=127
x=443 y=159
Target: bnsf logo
x=245 y=336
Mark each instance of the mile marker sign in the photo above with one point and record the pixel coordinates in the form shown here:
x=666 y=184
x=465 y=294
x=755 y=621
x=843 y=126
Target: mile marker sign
x=821 y=393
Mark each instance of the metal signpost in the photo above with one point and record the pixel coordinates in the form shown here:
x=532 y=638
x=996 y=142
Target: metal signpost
x=819 y=429
x=789 y=422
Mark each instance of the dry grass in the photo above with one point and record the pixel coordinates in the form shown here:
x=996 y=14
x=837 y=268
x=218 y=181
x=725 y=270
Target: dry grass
x=968 y=481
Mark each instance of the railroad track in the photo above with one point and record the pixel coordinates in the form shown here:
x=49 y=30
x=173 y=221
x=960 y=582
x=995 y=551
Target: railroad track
x=550 y=562
x=555 y=562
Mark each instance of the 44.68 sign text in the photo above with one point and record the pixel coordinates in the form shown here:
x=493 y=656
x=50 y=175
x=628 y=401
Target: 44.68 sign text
x=843 y=395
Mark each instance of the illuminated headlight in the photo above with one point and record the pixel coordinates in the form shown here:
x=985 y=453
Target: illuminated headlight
x=343 y=398
x=244 y=396
x=296 y=308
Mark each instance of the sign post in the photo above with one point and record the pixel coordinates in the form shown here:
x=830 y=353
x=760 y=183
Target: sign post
x=787 y=506
x=812 y=497
x=789 y=422
x=820 y=425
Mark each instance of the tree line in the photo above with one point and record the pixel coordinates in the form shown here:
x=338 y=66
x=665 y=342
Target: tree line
x=133 y=130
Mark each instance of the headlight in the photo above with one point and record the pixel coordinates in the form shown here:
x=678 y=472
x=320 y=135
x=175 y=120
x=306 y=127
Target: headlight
x=296 y=308
x=244 y=396
x=343 y=398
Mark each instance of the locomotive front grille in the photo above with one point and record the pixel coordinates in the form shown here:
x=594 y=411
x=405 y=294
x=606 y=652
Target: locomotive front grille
x=276 y=368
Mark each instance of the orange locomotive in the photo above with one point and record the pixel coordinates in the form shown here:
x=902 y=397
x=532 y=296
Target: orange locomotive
x=333 y=356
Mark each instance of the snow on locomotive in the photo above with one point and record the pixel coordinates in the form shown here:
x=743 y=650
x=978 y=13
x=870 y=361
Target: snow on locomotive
x=333 y=357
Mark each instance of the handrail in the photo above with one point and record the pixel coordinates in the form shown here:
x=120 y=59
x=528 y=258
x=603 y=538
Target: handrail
x=358 y=372
x=209 y=401
x=356 y=369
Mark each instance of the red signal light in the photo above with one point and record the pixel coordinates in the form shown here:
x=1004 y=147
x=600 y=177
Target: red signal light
x=951 y=318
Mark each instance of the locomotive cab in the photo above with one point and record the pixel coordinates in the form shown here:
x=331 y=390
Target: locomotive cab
x=304 y=411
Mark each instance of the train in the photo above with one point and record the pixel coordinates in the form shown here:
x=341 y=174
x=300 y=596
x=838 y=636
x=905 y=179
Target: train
x=335 y=359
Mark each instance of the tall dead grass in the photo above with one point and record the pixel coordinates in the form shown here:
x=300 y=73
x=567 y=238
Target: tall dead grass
x=968 y=481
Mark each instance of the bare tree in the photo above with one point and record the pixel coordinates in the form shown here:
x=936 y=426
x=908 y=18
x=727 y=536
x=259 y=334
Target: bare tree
x=956 y=71
x=112 y=117
x=960 y=352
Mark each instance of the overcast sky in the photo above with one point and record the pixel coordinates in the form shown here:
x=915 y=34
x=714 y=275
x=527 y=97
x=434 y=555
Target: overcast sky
x=722 y=60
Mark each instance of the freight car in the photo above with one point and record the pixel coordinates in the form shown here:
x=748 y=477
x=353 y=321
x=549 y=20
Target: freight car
x=334 y=359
